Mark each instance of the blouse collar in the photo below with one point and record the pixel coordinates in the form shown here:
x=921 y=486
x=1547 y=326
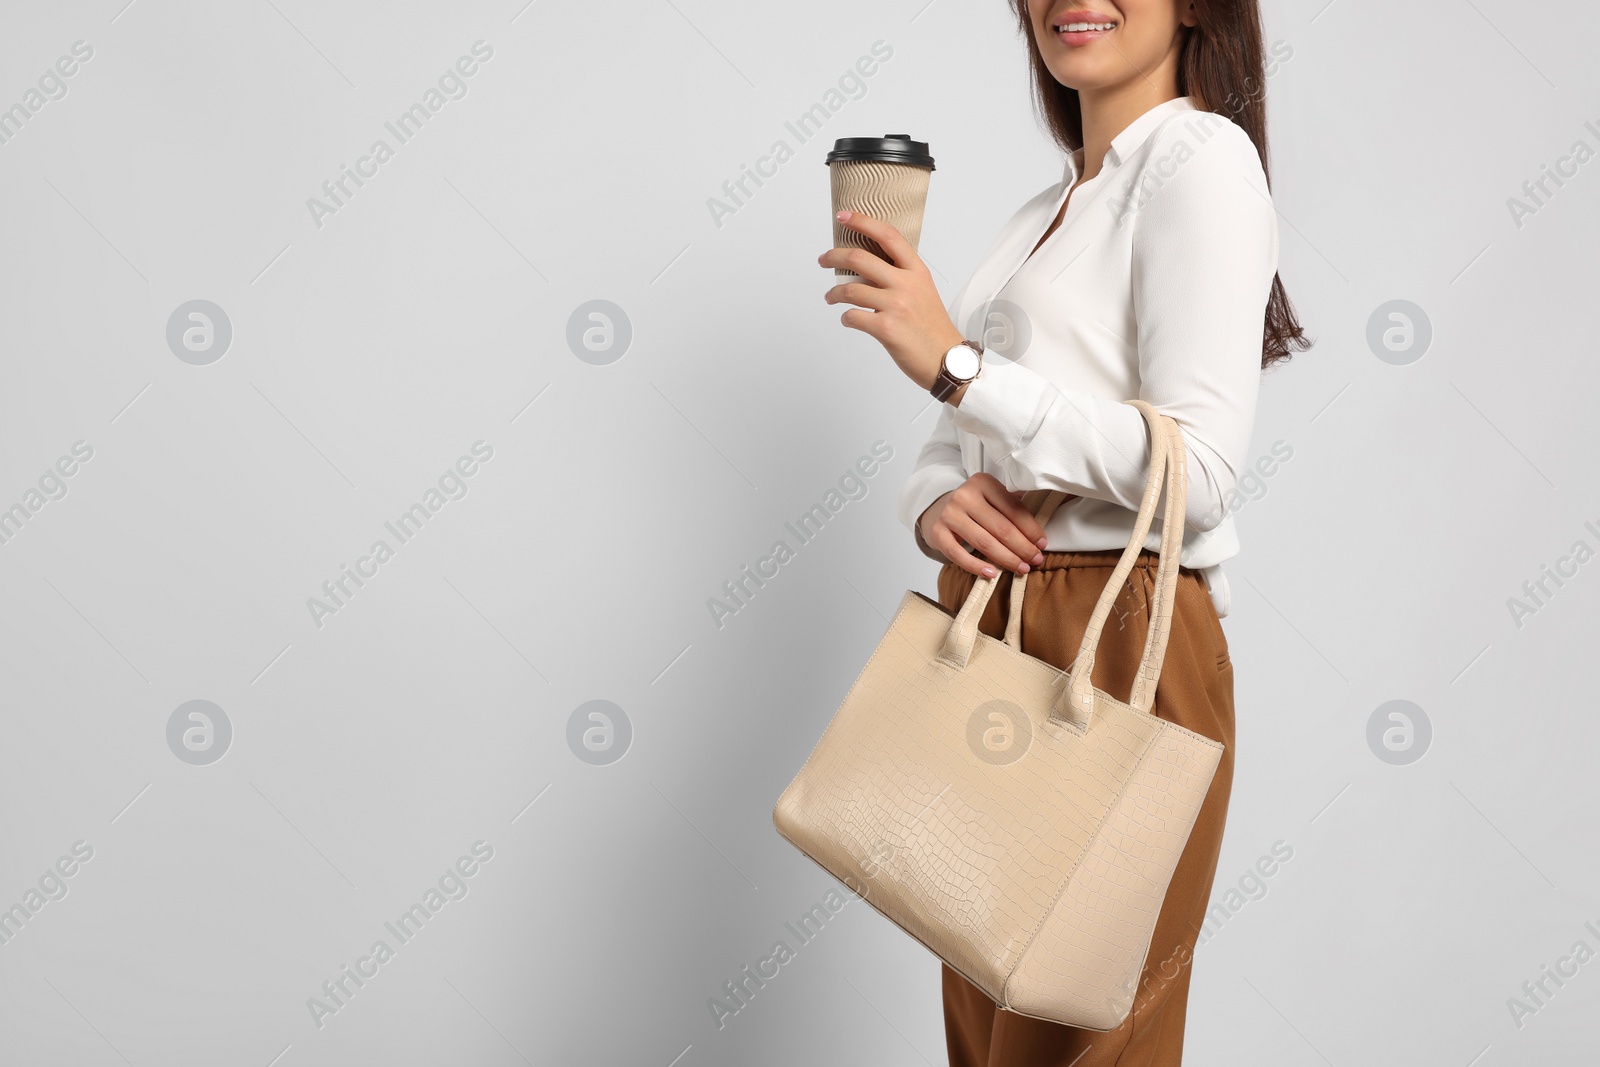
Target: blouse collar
x=1134 y=134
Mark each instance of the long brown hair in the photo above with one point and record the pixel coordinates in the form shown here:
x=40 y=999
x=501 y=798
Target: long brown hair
x=1223 y=65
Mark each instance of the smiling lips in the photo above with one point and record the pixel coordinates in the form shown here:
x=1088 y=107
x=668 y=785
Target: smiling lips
x=1078 y=27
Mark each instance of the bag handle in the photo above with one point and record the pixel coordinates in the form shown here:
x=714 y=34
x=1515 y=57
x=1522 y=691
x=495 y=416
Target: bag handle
x=1168 y=459
x=1173 y=518
x=963 y=633
x=1019 y=582
x=1076 y=704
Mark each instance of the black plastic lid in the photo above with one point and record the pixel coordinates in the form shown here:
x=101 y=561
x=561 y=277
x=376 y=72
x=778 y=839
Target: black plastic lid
x=890 y=148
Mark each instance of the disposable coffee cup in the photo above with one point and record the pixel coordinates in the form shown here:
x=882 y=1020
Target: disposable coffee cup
x=885 y=177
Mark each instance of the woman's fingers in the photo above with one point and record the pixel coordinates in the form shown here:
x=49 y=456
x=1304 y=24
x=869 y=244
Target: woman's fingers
x=859 y=294
x=1009 y=503
x=974 y=533
x=993 y=520
x=896 y=248
x=954 y=551
x=873 y=269
x=997 y=515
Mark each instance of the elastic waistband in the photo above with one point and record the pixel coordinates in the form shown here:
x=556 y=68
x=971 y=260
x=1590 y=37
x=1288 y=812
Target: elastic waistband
x=1105 y=559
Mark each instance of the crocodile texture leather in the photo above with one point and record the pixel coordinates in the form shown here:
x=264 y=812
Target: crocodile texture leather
x=1035 y=869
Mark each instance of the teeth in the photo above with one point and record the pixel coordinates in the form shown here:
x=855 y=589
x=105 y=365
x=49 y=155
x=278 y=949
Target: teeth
x=1083 y=27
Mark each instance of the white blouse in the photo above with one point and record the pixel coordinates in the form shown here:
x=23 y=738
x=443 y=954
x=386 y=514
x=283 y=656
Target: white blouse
x=1154 y=286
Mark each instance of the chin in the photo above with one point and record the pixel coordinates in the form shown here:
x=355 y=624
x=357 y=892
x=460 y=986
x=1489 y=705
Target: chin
x=1080 y=72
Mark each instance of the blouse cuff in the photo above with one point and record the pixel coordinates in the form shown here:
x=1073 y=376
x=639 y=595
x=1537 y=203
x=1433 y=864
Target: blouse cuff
x=1005 y=405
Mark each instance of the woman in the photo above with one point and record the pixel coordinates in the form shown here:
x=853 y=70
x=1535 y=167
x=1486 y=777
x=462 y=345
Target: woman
x=1149 y=271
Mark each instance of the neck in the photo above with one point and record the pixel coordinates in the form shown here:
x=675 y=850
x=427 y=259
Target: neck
x=1107 y=112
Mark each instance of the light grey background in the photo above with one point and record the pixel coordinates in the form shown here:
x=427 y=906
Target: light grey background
x=432 y=710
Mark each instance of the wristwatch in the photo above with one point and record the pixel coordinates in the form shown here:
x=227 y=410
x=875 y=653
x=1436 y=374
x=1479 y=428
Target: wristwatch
x=959 y=366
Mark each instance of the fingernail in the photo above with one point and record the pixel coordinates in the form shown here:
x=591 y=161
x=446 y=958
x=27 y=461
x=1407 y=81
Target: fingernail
x=1022 y=568
x=1038 y=558
x=989 y=572
x=1042 y=541
x=845 y=214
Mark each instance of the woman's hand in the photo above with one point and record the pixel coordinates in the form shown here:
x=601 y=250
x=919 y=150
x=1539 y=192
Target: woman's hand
x=984 y=513
x=906 y=314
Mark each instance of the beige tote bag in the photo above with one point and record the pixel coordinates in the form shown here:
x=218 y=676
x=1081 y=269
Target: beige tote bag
x=1018 y=822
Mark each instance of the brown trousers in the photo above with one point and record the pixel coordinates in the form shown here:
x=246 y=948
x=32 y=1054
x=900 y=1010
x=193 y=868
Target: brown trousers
x=1196 y=691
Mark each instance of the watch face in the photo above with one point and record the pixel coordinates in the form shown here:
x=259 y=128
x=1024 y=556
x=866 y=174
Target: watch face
x=961 y=362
